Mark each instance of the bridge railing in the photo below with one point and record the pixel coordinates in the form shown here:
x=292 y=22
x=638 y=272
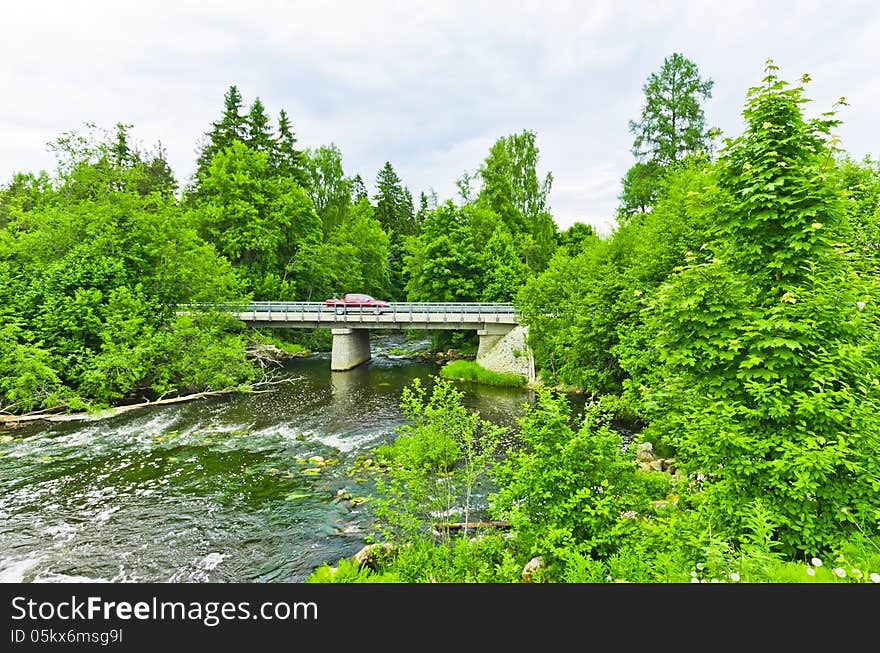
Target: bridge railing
x=399 y=311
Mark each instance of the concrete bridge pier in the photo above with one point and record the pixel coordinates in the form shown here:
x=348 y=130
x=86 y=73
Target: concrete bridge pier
x=490 y=336
x=504 y=348
x=351 y=347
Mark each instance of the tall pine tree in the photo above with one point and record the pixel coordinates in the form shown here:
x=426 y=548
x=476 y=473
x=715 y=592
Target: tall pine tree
x=231 y=127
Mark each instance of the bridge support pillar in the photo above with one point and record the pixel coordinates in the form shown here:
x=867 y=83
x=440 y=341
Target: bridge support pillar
x=504 y=348
x=351 y=347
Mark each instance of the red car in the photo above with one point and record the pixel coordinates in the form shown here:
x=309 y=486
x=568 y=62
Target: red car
x=356 y=300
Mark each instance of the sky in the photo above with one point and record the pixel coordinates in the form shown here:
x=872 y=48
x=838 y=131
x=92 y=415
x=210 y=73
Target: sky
x=426 y=86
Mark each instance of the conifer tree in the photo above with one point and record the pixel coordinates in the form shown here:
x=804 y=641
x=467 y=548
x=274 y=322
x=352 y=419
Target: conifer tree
x=394 y=207
x=358 y=189
x=672 y=124
x=289 y=160
x=258 y=135
x=231 y=127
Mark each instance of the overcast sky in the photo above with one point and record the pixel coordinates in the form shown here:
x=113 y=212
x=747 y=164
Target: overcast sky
x=426 y=86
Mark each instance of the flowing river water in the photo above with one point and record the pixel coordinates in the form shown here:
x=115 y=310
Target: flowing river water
x=212 y=490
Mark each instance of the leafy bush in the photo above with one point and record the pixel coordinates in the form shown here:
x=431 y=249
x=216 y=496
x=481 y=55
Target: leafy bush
x=764 y=346
x=569 y=490
x=434 y=464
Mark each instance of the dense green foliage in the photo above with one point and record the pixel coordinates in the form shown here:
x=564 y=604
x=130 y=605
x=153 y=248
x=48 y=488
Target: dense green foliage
x=434 y=464
x=766 y=341
x=94 y=261
x=738 y=319
x=92 y=265
x=735 y=315
x=574 y=496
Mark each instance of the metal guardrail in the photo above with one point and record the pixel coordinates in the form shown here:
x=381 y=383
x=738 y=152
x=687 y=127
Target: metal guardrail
x=398 y=311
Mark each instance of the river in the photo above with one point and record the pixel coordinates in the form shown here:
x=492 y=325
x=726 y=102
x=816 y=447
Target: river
x=212 y=490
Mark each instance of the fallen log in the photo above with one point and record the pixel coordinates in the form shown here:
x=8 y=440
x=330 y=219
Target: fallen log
x=467 y=525
x=14 y=420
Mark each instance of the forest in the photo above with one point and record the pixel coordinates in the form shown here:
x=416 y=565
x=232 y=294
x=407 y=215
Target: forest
x=731 y=314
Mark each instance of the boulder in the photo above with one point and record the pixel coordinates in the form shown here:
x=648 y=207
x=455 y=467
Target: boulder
x=531 y=567
x=369 y=556
x=645 y=452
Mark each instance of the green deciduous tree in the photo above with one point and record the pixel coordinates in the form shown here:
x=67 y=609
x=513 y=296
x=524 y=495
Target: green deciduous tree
x=641 y=187
x=92 y=264
x=443 y=263
x=512 y=189
x=328 y=185
x=256 y=221
x=766 y=342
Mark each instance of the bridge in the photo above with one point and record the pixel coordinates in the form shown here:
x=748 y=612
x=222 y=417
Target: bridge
x=502 y=345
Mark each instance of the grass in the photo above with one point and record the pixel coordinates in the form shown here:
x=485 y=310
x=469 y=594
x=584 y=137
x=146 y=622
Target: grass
x=470 y=371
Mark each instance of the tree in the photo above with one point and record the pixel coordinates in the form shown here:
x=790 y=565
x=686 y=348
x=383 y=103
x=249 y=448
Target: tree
x=672 y=124
x=358 y=189
x=288 y=160
x=231 y=127
x=328 y=186
x=258 y=135
x=394 y=210
x=511 y=188
x=91 y=267
x=574 y=237
x=394 y=207
x=765 y=343
x=641 y=186
x=442 y=262
x=257 y=221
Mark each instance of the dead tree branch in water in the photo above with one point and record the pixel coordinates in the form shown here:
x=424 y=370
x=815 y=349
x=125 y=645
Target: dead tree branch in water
x=260 y=387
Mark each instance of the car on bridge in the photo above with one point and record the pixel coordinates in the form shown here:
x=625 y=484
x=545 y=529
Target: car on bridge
x=357 y=300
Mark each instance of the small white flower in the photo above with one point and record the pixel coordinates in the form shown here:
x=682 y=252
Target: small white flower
x=840 y=572
x=816 y=562
x=693 y=574
x=875 y=577
x=734 y=577
x=700 y=566
x=811 y=571
x=856 y=572
x=695 y=580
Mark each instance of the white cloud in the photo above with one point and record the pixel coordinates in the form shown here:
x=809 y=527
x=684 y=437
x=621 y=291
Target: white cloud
x=427 y=86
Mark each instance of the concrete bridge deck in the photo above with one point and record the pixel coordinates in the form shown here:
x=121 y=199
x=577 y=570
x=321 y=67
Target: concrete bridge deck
x=502 y=340
x=398 y=315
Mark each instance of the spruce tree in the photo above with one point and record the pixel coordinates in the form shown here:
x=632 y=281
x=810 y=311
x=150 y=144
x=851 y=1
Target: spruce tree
x=394 y=207
x=230 y=128
x=289 y=160
x=358 y=189
x=258 y=134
